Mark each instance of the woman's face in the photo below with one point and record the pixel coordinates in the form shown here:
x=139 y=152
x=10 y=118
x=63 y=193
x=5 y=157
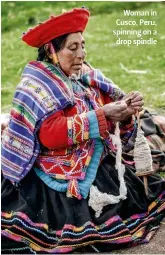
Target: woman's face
x=72 y=55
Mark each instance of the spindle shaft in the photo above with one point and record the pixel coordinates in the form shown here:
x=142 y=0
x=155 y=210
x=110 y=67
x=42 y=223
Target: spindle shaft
x=145 y=180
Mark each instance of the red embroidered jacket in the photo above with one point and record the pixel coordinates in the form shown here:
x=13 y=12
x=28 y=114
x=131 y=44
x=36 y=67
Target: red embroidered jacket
x=67 y=132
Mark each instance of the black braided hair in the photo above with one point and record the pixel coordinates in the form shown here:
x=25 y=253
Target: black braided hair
x=58 y=44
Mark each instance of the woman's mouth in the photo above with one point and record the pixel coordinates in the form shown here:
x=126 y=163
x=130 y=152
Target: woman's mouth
x=77 y=66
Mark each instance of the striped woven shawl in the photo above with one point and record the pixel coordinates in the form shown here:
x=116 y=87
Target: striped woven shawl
x=43 y=90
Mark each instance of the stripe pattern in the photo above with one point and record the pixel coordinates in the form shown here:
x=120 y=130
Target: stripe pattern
x=43 y=90
x=37 y=95
x=39 y=238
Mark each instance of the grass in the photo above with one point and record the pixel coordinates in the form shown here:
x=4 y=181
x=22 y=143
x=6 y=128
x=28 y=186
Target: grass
x=101 y=48
x=103 y=53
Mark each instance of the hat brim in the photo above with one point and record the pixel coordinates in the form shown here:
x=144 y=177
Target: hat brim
x=66 y=23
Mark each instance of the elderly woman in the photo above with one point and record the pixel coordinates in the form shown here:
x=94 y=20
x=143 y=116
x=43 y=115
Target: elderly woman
x=58 y=153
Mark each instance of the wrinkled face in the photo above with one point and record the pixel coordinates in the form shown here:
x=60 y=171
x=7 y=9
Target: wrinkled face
x=72 y=55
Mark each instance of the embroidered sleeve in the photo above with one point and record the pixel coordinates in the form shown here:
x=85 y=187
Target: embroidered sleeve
x=59 y=132
x=78 y=128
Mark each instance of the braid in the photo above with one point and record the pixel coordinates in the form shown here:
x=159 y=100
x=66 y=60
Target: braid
x=41 y=53
x=58 y=44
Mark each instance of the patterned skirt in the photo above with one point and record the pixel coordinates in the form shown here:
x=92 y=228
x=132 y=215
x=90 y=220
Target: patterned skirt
x=39 y=220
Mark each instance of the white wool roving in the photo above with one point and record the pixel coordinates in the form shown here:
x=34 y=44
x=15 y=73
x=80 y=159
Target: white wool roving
x=142 y=153
x=97 y=199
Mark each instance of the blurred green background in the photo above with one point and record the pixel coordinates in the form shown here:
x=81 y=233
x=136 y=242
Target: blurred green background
x=103 y=53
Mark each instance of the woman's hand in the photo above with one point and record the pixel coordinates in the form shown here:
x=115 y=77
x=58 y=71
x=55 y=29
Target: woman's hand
x=135 y=100
x=122 y=110
x=135 y=103
x=114 y=111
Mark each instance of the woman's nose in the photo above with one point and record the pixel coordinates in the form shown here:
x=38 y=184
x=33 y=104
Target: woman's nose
x=81 y=53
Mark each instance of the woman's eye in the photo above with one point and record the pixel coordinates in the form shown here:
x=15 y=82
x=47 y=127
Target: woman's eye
x=76 y=48
x=73 y=49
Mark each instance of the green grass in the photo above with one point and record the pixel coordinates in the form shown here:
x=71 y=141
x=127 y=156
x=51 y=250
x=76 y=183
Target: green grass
x=102 y=51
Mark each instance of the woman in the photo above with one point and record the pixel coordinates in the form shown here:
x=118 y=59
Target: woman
x=58 y=154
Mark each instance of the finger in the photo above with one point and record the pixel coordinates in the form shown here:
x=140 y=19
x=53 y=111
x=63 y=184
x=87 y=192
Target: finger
x=139 y=109
x=137 y=98
x=137 y=103
x=128 y=101
x=135 y=94
x=128 y=95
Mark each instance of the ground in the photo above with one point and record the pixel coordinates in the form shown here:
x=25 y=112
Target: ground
x=155 y=246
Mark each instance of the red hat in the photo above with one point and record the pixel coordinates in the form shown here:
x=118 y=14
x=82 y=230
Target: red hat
x=66 y=23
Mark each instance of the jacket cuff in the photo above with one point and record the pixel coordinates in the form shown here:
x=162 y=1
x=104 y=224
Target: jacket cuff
x=93 y=124
x=102 y=122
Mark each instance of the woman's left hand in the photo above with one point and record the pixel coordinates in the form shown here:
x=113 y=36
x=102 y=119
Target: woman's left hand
x=135 y=103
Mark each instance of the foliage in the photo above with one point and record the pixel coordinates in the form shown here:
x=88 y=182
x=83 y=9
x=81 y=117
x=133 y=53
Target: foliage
x=102 y=50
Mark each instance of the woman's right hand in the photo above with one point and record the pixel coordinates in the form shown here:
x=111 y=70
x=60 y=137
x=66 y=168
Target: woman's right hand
x=115 y=111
